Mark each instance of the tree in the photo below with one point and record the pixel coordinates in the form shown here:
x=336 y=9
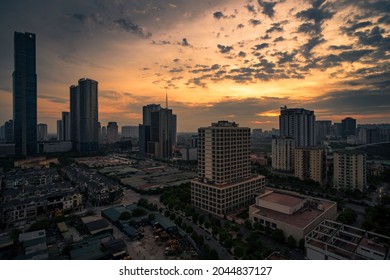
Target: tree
x=302 y=244
x=138 y=212
x=214 y=254
x=239 y=252
x=151 y=216
x=278 y=234
x=248 y=224
x=291 y=242
x=348 y=216
x=178 y=221
x=207 y=225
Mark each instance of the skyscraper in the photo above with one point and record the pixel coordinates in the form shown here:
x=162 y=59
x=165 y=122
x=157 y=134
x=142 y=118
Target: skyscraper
x=60 y=136
x=297 y=123
x=65 y=126
x=157 y=135
x=348 y=127
x=224 y=182
x=322 y=131
x=42 y=132
x=9 y=131
x=84 y=115
x=74 y=116
x=112 y=132
x=25 y=94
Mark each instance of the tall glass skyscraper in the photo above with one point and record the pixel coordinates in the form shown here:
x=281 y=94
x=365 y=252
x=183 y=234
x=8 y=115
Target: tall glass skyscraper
x=84 y=116
x=25 y=94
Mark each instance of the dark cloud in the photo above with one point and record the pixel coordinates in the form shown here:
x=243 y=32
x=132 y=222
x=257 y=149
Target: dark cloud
x=54 y=99
x=261 y=46
x=312 y=42
x=354 y=26
x=176 y=70
x=374 y=37
x=242 y=54
x=285 y=57
x=185 y=43
x=314 y=17
x=353 y=56
x=129 y=26
x=268 y=8
x=162 y=42
x=275 y=27
x=219 y=15
x=240 y=26
x=110 y=94
x=80 y=17
x=254 y=22
x=279 y=39
x=251 y=8
x=224 y=49
x=176 y=60
x=385 y=19
x=266 y=37
x=205 y=68
x=341 y=47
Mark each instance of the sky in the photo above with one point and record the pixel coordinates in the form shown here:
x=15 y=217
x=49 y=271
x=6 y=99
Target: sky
x=236 y=60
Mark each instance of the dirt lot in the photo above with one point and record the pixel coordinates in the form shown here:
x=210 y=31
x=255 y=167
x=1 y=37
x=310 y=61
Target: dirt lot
x=146 y=248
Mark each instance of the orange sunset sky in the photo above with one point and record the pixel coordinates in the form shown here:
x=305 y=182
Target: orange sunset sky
x=236 y=60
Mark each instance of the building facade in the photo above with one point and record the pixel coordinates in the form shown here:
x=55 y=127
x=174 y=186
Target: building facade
x=25 y=94
x=157 y=135
x=42 y=132
x=283 y=154
x=310 y=164
x=60 y=136
x=112 y=132
x=350 y=171
x=84 y=116
x=224 y=182
x=323 y=131
x=65 y=126
x=294 y=214
x=348 y=127
x=297 y=123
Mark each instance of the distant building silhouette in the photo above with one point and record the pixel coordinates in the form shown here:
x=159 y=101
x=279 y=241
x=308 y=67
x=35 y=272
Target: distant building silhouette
x=42 y=132
x=65 y=126
x=323 y=130
x=157 y=135
x=84 y=116
x=9 y=131
x=60 y=131
x=297 y=123
x=112 y=132
x=348 y=127
x=25 y=94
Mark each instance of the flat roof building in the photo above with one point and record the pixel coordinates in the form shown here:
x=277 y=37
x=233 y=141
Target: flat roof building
x=331 y=240
x=295 y=214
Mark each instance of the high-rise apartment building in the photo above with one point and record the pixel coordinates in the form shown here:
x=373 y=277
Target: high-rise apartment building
x=297 y=123
x=112 y=132
x=129 y=131
x=283 y=154
x=9 y=131
x=42 y=132
x=25 y=94
x=60 y=136
x=84 y=115
x=348 y=127
x=322 y=131
x=350 y=170
x=65 y=126
x=157 y=135
x=74 y=116
x=224 y=182
x=310 y=164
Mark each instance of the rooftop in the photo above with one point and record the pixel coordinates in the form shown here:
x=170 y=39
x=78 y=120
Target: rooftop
x=282 y=199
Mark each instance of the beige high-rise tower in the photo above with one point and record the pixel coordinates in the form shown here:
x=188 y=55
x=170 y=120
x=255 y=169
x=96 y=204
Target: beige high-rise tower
x=225 y=182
